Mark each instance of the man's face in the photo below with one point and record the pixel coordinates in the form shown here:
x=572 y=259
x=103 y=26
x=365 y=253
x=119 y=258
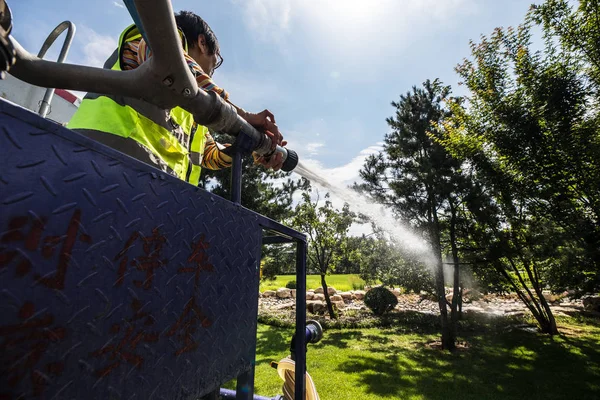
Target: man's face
x=202 y=55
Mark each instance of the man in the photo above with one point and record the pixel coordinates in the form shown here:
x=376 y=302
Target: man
x=168 y=139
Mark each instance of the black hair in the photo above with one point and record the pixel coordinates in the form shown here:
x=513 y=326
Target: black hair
x=193 y=26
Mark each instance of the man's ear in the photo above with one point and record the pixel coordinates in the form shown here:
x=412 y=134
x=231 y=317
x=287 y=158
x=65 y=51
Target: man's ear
x=201 y=43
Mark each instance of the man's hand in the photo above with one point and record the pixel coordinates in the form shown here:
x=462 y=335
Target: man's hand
x=265 y=121
x=274 y=161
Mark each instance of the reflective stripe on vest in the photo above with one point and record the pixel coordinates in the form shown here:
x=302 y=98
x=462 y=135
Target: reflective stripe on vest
x=170 y=137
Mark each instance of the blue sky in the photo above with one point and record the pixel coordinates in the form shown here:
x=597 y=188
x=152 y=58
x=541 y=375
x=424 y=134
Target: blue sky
x=327 y=69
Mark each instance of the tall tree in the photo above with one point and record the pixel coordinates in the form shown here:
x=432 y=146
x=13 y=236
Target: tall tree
x=530 y=135
x=416 y=176
x=327 y=229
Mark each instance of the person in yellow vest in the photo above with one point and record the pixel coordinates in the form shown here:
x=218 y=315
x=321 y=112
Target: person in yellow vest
x=168 y=139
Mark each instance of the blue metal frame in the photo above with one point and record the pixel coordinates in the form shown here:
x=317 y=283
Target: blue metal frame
x=47 y=171
x=245 y=389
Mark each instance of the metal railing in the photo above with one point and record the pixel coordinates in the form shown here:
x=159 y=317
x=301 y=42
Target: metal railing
x=70 y=28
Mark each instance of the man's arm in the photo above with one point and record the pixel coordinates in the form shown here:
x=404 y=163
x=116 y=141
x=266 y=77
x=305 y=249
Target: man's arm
x=216 y=155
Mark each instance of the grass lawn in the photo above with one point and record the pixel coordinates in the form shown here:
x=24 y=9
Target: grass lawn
x=341 y=282
x=501 y=363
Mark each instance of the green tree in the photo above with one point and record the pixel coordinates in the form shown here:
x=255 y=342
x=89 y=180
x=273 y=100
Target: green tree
x=530 y=136
x=355 y=255
x=417 y=177
x=383 y=262
x=327 y=230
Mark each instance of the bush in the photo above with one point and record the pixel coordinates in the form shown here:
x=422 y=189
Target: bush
x=380 y=300
x=291 y=285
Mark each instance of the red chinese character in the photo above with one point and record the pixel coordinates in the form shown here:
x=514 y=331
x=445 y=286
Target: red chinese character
x=23 y=346
x=15 y=234
x=32 y=240
x=148 y=263
x=57 y=280
x=132 y=334
x=199 y=260
x=186 y=325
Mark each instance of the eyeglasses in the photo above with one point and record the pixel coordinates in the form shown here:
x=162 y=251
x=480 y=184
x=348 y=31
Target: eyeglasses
x=219 y=61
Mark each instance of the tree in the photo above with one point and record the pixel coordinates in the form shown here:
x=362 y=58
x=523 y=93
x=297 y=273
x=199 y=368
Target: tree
x=354 y=256
x=416 y=176
x=530 y=136
x=383 y=262
x=327 y=230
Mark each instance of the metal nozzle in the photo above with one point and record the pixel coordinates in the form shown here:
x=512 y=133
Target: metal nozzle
x=290 y=158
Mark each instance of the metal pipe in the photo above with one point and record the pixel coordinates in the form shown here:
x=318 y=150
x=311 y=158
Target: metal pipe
x=300 y=335
x=170 y=68
x=236 y=178
x=70 y=27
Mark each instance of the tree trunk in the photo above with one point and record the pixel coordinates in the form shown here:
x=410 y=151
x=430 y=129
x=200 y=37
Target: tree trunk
x=460 y=303
x=549 y=323
x=434 y=232
x=454 y=316
x=332 y=313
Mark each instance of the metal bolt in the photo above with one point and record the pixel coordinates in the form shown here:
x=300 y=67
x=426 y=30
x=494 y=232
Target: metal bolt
x=187 y=92
x=168 y=81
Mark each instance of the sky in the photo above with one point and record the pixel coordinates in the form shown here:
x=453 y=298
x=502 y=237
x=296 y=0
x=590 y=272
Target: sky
x=327 y=69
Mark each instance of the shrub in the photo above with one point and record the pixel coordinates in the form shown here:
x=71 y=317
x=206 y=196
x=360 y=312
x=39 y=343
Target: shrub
x=380 y=300
x=291 y=285
x=269 y=269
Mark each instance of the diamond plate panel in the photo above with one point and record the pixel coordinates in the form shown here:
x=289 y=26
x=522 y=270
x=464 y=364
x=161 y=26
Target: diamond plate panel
x=117 y=281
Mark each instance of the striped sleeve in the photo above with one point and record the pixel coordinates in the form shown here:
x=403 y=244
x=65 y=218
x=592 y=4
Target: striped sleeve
x=130 y=55
x=215 y=154
x=204 y=81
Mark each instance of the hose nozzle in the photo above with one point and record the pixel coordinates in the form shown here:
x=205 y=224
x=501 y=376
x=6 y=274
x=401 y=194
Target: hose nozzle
x=290 y=158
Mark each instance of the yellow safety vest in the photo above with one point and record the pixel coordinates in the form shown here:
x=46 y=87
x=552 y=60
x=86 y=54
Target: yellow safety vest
x=167 y=139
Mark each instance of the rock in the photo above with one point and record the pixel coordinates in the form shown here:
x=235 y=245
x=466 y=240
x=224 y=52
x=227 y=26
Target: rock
x=359 y=294
x=316 y=307
x=550 y=298
x=269 y=293
x=319 y=297
x=310 y=295
x=293 y=293
x=339 y=304
x=471 y=295
x=336 y=297
x=396 y=292
x=346 y=295
x=330 y=290
x=592 y=303
x=283 y=306
x=284 y=293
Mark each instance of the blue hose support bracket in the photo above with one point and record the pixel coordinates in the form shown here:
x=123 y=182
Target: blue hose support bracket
x=116 y=280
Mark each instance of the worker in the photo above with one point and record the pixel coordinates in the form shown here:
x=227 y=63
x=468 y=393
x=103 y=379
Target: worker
x=168 y=139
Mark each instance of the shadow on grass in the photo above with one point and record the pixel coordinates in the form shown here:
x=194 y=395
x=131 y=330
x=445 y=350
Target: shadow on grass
x=272 y=345
x=515 y=364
